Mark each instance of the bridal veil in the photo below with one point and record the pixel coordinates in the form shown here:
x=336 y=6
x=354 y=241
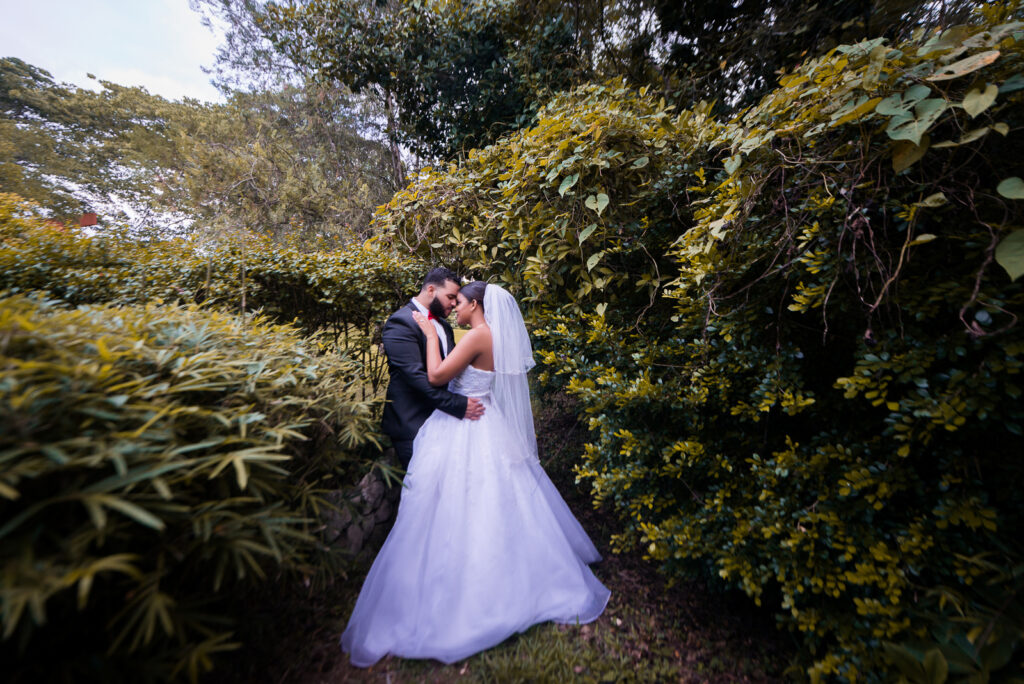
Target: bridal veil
x=513 y=359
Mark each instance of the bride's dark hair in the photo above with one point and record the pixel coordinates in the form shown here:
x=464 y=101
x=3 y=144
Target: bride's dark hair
x=474 y=291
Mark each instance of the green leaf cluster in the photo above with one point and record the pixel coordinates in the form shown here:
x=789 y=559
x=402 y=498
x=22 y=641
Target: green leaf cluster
x=172 y=416
x=454 y=75
x=291 y=162
x=795 y=334
x=60 y=144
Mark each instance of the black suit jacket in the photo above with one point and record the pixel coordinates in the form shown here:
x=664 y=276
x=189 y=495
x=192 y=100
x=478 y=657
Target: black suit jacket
x=411 y=398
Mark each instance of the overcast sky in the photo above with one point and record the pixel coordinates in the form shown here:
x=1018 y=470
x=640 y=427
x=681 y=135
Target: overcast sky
x=158 y=44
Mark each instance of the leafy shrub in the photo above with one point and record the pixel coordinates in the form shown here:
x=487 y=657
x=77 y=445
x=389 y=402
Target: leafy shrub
x=795 y=333
x=346 y=293
x=576 y=213
x=158 y=461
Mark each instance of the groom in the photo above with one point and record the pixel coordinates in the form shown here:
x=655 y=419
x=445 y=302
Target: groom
x=410 y=397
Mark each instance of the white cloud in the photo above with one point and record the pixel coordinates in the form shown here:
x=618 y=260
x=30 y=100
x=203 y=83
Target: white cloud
x=158 y=44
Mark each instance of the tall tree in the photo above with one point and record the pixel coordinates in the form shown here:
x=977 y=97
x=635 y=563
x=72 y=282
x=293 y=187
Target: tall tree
x=456 y=74
x=249 y=60
x=71 y=149
x=452 y=75
x=289 y=162
x=733 y=51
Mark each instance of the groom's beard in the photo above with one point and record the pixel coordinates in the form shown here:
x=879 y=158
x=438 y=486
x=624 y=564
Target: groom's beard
x=437 y=308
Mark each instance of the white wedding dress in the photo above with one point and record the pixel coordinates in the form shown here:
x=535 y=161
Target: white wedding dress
x=483 y=546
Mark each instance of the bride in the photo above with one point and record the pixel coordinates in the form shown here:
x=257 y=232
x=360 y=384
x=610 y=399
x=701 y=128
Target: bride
x=483 y=545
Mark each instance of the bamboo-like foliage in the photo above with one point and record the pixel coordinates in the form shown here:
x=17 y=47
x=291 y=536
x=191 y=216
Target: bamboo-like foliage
x=155 y=462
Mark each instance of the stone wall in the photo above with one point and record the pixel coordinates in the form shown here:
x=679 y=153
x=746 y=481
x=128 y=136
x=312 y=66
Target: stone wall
x=365 y=512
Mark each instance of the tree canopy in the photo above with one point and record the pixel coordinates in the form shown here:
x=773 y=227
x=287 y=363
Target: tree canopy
x=453 y=75
x=69 y=148
x=459 y=75
x=288 y=160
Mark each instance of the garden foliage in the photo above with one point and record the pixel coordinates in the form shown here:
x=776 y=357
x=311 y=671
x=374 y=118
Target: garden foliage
x=343 y=294
x=158 y=462
x=795 y=333
x=161 y=457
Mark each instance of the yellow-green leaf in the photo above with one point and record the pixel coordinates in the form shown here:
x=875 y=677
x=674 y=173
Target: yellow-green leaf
x=567 y=183
x=1010 y=254
x=8 y=492
x=906 y=154
x=876 y=59
x=965 y=66
x=913 y=128
x=968 y=137
x=978 y=100
x=935 y=667
x=133 y=511
x=863 y=107
x=586 y=232
x=932 y=201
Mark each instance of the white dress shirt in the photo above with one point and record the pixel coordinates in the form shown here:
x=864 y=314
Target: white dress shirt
x=441 y=334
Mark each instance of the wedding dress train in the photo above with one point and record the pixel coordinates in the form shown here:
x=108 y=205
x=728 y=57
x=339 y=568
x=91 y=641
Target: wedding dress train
x=483 y=546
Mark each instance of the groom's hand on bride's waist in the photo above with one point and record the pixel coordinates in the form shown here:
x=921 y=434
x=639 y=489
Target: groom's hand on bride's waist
x=474 y=409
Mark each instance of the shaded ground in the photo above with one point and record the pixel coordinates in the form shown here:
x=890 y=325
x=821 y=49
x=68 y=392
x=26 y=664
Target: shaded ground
x=649 y=632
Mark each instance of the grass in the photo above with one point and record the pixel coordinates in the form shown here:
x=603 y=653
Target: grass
x=650 y=631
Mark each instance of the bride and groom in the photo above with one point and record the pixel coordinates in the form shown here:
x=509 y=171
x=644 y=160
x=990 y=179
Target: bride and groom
x=483 y=545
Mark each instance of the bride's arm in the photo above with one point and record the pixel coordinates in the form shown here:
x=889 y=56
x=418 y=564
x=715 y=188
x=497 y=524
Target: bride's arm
x=465 y=352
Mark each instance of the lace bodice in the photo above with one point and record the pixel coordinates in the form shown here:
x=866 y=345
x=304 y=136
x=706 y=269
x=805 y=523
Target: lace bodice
x=472 y=382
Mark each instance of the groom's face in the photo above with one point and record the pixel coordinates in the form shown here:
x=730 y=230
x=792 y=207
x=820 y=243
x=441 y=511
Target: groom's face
x=444 y=299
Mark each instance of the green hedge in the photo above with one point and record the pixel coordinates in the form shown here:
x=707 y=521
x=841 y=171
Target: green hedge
x=172 y=413
x=795 y=334
x=158 y=462
x=346 y=294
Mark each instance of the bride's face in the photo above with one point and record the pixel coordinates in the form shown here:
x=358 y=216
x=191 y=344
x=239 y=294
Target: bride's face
x=463 y=310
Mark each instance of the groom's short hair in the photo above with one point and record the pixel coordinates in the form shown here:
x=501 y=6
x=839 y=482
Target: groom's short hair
x=439 y=276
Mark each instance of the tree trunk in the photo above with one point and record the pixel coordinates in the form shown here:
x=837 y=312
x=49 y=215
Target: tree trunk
x=396 y=156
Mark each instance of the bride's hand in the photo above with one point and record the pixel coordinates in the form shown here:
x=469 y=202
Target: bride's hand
x=425 y=325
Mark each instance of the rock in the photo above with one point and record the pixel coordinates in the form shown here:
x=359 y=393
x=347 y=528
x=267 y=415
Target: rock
x=383 y=512
x=354 y=536
x=365 y=512
x=336 y=521
x=371 y=488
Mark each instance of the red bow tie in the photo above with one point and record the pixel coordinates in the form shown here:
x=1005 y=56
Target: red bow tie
x=430 y=316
